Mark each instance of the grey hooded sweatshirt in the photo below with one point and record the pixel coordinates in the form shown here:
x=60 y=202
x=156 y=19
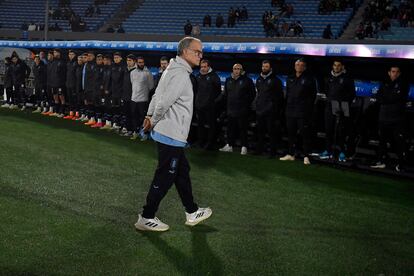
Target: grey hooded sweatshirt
x=171 y=107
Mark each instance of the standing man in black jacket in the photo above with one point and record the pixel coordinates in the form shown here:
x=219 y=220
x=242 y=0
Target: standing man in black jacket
x=208 y=91
x=126 y=97
x=40 y=79
x=269 y=101
x=19 y=72
x=57 y=82
x=106 y=96
x=300 y=99
x=89 y=87
x=239 y=94
x=392 y=98
x=340 y=92
x=99 y=88
x=117 y=83
x=71 y=66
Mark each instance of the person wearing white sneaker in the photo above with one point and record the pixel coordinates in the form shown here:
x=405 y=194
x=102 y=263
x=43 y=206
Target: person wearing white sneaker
x=8 y=82
x=169 y=119
x=243 y=151
x=239 y=93
x=287 y=157
x=300 y=99
x=306 y=161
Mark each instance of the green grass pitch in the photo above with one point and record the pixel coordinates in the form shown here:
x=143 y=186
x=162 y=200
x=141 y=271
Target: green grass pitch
x=70 y=195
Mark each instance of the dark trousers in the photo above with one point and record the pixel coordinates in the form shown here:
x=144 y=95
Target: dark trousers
x=18 y=94
x=392 y=132
x=173 y=168
x=237 y=124
x=206 y=136
x=125 y=114
x=266 y=124
x=9 y=94
x=303 y=127
x=72 y=98
x=138 y=111
x=337 y=128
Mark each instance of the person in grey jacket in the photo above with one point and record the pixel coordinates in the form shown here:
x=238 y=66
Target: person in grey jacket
x=142 y=83
x=169 y=119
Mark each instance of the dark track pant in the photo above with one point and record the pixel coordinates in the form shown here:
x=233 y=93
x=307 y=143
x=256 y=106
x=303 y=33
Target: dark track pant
x=392 y=132
x=138 y=111
x=206 y=136
x=173 y=168
x=239 y=124
x=266 y=124
x=303 y=127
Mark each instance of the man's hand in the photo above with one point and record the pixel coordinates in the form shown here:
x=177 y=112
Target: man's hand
x=146 y=126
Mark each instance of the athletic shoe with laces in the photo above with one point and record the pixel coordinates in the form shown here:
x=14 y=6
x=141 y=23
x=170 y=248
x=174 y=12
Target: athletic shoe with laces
x=198 y=216
x=134 y=136
x=226 y=148
x=144 y=224
x=243 y=151
x=325 y=155
x=6 y=105
x=306 y=161
x=378 y=165
x=97 y=125
x=37 y=110
x=14 y=106
x=23 y=108
x=342 y=157
x=287 y=157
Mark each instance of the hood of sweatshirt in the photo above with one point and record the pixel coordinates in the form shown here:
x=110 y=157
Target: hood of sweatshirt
x=178 y=63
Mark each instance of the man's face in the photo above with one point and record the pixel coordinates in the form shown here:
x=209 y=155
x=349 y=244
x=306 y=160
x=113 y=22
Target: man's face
x=49 y=56
x=90 y=57
x=99 y=60
x=42 y=55
x=194 y=53
x=56 y=54
x=85 y=58
x=80 y=60
x=163 y=64
x=237 y=69
x=107 y=61
x=266 y=68
x=337 y=67
x=300 y=67
x=117 y=59
x=130 y=62
x=394 y=73
x=141 y=63
x=14 y=59
x=204 y=68
x=71 y=55
x=37 y=60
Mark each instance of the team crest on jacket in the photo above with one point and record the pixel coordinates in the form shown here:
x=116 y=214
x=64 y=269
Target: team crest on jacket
x=341 y=80
x=208 y=78
x=268 y=81
x=303 y=82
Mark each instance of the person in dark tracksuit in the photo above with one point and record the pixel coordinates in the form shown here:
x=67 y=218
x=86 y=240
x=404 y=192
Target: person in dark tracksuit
x=72 y=100
x=107 y=88
x=8 y=82
x=79 y=114
x=169 y=119
x=300 y=99
x=340 y=88
x=40 y=84
x=99 y=88
x=126 y=96
x=19 y=72
x=208 y=91
x=57 y=83
x=239 y=94
x=392 y=97
x=117 y=83
x=164 y=61
x=89 y=87
x=269 y=102
x=48 y=88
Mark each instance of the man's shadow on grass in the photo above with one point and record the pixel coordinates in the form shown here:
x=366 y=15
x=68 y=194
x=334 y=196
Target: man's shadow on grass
x=202 y=261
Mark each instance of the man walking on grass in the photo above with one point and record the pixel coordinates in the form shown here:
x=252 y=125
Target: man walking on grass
x=169 y=119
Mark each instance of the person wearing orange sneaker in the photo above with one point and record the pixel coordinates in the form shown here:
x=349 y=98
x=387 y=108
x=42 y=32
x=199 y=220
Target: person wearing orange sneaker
x=106 y=96
x=88 y=84
x=57 y=83
x=39 y=73
x=48 y=109
x=98 y=90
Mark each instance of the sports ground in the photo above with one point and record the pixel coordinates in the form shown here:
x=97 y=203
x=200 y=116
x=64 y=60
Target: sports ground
x=70 y=195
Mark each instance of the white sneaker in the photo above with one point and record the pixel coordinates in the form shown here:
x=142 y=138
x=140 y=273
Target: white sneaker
x=23 y=108
x=38 y=110
x=378 y=165
x=226 y=148
x=243 y=151
x=6 y=105
x=154 y=224
x=287 y=157
x=198 y=216
x=306 y=161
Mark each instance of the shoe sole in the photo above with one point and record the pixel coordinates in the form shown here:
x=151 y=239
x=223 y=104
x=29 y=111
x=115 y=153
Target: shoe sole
x=144 y=228
x=197 y=222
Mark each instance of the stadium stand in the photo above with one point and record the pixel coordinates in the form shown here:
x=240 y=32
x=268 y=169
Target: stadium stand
x=16 y=13
x=169 y=17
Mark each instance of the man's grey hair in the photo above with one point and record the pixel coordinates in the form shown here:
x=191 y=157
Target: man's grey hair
x=185 y=44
